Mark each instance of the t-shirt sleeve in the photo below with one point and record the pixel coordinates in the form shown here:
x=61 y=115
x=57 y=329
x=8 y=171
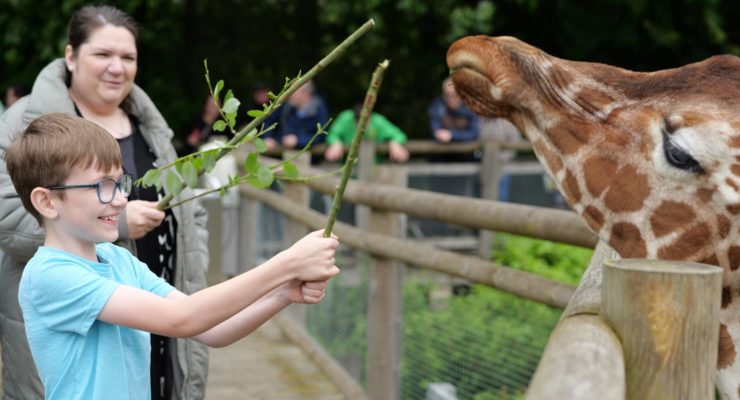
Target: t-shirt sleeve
x=144 y=278
x=69 y=298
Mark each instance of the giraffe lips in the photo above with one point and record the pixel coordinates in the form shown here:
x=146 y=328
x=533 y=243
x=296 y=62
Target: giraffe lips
x=478 y=92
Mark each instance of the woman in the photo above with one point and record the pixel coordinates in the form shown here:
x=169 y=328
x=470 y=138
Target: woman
x=95 y=81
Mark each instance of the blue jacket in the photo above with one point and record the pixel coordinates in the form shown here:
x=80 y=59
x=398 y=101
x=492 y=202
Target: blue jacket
x=299 y=122
x=461 y=122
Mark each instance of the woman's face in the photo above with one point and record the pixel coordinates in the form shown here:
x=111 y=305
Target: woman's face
x=104 y=67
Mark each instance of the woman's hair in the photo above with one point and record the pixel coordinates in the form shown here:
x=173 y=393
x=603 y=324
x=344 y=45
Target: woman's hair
x=51 y=146
x=88 y=19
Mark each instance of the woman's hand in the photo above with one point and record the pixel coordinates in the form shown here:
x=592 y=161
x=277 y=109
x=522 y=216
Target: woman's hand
x=141 y=217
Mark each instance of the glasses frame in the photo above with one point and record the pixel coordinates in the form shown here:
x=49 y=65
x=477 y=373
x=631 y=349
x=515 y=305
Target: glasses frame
x=125 y=179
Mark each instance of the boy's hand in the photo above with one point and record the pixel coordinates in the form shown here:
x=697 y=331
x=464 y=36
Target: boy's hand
x=141 y=217
x=312 y=258
x=301 y=292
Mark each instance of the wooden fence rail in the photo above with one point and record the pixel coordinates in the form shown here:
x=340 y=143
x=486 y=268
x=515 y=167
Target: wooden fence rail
x=520 y=283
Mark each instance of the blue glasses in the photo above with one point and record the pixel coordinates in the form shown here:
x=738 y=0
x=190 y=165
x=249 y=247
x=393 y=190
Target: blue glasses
x=106 y=188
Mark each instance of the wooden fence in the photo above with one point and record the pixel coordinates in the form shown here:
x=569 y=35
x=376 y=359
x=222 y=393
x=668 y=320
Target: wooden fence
x=584 y=357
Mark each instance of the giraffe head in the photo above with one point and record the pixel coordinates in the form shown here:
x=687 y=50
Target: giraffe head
x=651 y=161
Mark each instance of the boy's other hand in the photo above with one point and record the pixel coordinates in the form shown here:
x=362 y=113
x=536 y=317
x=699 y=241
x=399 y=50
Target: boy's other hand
x=141 y=217
x=312 y=257
x=297 y=291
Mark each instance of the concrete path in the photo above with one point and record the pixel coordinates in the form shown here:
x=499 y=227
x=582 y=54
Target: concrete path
x=264 y=365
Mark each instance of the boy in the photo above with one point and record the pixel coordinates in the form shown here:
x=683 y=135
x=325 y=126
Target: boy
x=89 y=304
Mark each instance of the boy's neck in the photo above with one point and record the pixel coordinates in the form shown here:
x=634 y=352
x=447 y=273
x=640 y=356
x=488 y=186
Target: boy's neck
x=80 y=248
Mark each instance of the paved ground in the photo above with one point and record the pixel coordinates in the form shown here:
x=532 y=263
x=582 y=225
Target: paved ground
x=265 y=366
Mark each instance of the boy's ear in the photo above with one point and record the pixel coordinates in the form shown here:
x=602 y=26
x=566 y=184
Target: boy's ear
x=42 y=202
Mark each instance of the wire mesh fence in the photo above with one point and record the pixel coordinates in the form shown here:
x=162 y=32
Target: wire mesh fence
x=480 y=342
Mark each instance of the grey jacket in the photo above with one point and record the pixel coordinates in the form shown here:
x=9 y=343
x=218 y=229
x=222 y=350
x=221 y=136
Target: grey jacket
x=20 y=236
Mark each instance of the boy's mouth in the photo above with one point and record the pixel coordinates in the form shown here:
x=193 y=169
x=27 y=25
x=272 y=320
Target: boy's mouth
x=110 y=218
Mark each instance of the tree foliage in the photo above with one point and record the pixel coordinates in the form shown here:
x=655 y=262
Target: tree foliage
x=268 y=40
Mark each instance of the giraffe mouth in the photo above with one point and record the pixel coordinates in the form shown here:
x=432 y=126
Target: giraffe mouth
x=479 y=93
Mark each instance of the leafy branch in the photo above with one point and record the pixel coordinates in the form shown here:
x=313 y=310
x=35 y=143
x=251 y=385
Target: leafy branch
x=367 y=108
x=188 y=168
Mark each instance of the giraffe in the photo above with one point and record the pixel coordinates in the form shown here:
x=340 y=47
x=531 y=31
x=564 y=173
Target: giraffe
x=650 y=160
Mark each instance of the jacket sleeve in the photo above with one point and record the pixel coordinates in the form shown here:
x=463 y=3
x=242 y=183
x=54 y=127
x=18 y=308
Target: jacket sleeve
x=342 y=129
x=386 y=130
x=468 y=133
x=435 y=112
x=20 y=233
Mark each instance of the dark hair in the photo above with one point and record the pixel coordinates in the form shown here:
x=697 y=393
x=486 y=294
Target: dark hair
x=90 y=18
x=19 y=90
x=51 y=146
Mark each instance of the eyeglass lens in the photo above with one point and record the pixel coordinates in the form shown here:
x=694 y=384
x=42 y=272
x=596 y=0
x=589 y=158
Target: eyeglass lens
x=107 y=188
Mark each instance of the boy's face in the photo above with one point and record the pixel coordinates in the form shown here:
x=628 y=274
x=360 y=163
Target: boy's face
x=82 y=217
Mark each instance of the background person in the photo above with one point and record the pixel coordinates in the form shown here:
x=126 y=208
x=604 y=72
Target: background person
x=297 y=119
x=379 y=129
x=95 y=80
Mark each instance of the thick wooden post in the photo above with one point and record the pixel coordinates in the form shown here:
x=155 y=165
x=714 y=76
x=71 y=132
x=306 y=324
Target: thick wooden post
x=294 y=230
x=490 y=175
x=666 y=314
x=248 y=231
x=386 y=300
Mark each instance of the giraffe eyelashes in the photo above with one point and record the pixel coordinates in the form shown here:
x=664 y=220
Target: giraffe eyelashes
x=678 y=158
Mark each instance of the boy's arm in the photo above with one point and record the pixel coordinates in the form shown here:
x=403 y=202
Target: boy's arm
x=310 y=259
x=252 y=317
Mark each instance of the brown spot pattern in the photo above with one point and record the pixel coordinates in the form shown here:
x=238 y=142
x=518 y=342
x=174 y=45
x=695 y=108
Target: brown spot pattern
x=551 y=159
x=726 y=296
x=734 y=257
x=594 y=218
x=598 y=172
x=593 y=100
x=570 y=136
x=731 y=183
x=704 y=195
x=669 y=216
x=723 y=226
x=711 y=260
x=733 y=209
x=628 y=190
x=734 y=141
x=735 y=168
x=571 y=188
x=726 y=352
x=626 y=239
x=689 y=243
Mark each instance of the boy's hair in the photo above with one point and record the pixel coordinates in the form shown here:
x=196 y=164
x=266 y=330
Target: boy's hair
x=50 y=147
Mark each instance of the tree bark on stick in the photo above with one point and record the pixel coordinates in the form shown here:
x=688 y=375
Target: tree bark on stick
x=367 y=108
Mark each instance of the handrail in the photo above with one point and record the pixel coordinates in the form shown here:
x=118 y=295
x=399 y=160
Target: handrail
x=537 y=222
x=520 y=283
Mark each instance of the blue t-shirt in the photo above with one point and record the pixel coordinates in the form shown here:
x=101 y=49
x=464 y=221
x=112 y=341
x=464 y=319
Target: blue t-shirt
x=77 y=356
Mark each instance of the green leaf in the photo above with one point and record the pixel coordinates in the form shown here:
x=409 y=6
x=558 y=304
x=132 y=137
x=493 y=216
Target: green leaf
x=197 y=163
x=190 y=174
x=209 y=161
x=271 y=96
x=219 y=125
x=259 y=145
x=173 y=184
x=262 y=179
x=230 y=106
x=255 y=113
x=290 y=170
x=252 y=165
x=151 y=178
x=217 y=90
x=229 y=95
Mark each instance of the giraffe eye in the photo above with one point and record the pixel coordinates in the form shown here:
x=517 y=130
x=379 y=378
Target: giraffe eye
x=678 y=158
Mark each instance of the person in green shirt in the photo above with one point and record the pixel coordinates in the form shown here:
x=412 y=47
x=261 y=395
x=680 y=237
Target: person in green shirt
x=379 y=129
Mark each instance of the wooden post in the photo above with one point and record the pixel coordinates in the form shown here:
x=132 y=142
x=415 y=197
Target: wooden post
x=667 y=315
x=490 y=175
x=386 y=300
x=301 y=195
x=248 y=231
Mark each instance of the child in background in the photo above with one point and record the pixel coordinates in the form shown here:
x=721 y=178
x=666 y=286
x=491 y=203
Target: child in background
x=379 y=129
x=89 y=305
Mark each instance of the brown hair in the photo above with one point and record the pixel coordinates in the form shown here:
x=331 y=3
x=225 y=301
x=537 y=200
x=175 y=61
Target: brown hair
x=90 y=18
x=51 y=146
